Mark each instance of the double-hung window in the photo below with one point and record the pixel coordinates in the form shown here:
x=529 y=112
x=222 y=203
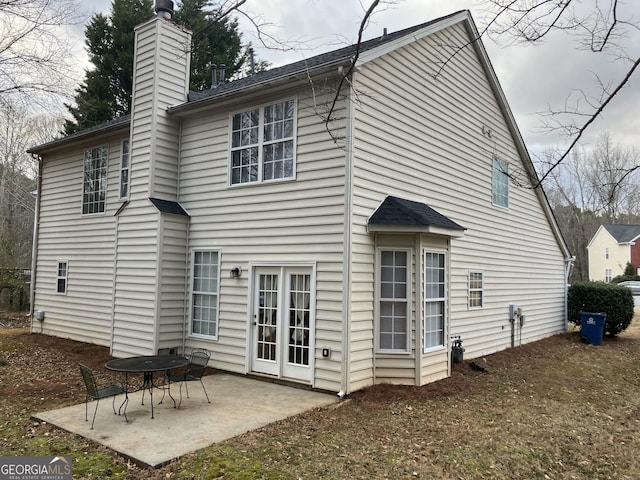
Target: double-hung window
x=607 y=275
x=263 y=143
x=205 y=274
x=94 y=190
x=500 y=183
x=476 y=289
x=393 y=306
x=434 y=300
x=62 y=276
x=124 y=170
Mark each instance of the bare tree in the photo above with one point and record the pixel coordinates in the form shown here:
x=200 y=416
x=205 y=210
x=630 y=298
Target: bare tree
x=35 y=56
x=612 y=177
x=18 y=131
x=603 y=27
x=589 y=188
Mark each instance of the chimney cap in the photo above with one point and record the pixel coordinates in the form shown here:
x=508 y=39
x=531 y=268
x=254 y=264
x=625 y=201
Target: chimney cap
x=164 y=8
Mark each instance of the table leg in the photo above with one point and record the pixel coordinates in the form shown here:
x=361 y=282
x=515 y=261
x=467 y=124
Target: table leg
x=169 y=389
x=147 y=383
x=125 y=402
x=151 y=391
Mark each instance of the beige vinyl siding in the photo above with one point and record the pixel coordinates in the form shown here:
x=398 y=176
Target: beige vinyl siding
x=281 y=222
x=159 y=82
x=135 y=288
x=85 y=241
x=173 y=283
x=420 y=137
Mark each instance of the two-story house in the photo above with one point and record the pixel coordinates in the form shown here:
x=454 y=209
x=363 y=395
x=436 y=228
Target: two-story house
x=334 y=254
x=611 y=248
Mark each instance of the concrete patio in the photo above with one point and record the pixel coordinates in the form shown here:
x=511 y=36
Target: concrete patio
x=238 y=405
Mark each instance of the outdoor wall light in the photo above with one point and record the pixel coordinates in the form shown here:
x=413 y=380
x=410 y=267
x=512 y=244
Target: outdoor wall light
x=236 y=271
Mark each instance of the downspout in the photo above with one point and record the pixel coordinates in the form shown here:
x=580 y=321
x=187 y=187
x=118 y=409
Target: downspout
x=36 y=234
x=346 y=271
x=568 y=265
x=186 y=300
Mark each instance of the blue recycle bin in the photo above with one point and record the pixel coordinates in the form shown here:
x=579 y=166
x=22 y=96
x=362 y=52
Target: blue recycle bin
x=592 y=327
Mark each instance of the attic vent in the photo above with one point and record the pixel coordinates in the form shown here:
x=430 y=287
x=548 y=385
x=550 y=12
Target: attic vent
x=164 y=9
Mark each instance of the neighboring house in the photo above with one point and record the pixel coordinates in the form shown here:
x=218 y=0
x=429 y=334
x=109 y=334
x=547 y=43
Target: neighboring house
x=611 y=248
x=232 y=219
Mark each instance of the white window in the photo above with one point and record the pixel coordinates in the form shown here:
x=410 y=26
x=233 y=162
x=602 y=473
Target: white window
x=476 y=290
x=435 y=307
x=263 y=143
x=205 y=274
x=62 y=276
x=393 y=295
x=500 y=184
x=94 y=191
x=606 y=253
x=607 y=275
x=124 y=170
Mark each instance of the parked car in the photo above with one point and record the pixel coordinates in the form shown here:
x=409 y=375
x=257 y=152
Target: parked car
x=634 y=285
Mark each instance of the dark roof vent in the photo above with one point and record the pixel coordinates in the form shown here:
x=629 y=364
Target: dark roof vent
x=164 y=8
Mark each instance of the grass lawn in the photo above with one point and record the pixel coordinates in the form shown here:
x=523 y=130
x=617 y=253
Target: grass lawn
x=553 y=409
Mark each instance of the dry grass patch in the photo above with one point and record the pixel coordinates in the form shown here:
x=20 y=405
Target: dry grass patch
x=552 y=409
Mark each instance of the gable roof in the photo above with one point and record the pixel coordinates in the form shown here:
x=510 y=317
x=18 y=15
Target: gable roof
x=398 y=214
x=623 y=233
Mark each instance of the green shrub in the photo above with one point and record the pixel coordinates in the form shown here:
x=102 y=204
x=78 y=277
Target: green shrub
x=628 y=274
x=599 y=297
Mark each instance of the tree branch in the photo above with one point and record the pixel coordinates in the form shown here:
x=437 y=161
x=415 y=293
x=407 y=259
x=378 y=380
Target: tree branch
x=592 y=119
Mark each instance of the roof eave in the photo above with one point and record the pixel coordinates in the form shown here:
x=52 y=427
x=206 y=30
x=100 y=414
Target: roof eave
x=79 y=136
x=412 y=229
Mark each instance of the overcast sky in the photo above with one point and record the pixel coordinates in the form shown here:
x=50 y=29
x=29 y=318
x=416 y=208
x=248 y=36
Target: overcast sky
x=534 y=78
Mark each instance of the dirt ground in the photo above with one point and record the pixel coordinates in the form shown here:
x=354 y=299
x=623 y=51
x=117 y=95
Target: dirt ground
x=49 y=356
x=555 y=408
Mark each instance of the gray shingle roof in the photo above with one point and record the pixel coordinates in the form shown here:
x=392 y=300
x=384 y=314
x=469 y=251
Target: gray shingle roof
x=115 y=124
x=399 y=211
x=318 y=61
x=623 y=233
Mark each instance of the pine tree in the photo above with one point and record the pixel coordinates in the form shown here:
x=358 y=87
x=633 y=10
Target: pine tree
x=105 y=93
x=215 y=42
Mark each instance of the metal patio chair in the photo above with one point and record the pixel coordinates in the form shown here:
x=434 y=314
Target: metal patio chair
x=99 y=386
x=198 y=361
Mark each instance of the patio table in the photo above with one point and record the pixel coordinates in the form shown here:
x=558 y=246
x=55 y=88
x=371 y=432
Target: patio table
x=147 y=365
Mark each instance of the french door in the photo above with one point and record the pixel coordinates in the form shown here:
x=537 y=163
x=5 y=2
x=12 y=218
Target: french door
x=282 y=322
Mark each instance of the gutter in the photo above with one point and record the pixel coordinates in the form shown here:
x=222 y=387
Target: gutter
x=568 y=265
x=36 y=234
